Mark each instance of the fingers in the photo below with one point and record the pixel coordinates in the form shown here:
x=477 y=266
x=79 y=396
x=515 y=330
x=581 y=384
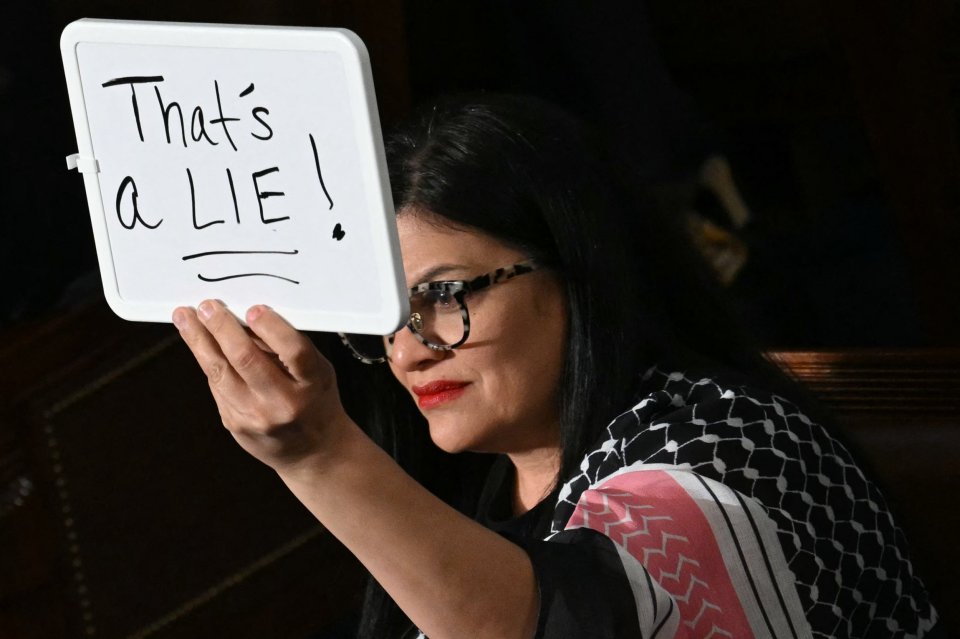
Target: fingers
x=276 y=394
x=226 y=353
x=296 y=352
x=205 y=349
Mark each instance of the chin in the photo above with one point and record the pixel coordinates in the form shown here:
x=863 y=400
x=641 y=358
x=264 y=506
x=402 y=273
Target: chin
x=448 y=444
x=448 y=436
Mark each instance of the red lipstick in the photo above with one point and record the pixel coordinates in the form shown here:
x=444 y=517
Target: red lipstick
x=441 y=391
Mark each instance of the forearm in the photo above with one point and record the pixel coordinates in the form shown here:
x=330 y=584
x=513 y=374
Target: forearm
x=278 y=398
x=450 y=575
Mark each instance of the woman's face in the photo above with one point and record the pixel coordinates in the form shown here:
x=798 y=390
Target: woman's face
x=502 y=384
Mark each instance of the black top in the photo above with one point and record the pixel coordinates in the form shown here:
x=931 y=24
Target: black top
x=495 y=508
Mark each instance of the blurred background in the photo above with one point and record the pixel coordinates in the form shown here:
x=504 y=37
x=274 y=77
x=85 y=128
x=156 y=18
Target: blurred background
x=821 y=135
x=811 y=144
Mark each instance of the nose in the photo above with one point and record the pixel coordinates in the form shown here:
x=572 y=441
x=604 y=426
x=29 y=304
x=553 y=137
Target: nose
x=409 y=354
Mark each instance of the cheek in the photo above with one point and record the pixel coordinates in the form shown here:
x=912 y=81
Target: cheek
x=529 y=352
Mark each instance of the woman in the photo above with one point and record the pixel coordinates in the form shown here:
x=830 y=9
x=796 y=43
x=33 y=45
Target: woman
x=639 y=487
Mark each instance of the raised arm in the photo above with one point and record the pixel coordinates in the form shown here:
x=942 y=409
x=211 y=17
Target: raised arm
x=278 y=397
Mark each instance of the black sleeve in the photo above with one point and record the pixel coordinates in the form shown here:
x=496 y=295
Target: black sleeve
x=584 y=589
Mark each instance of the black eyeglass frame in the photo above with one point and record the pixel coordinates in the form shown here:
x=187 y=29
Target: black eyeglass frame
x=459 y=289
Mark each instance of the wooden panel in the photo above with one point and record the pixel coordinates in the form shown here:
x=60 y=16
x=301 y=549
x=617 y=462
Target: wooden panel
x=147 y=520
x=882 y=384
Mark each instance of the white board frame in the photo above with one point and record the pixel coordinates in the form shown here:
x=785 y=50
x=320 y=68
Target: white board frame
x=394 y=310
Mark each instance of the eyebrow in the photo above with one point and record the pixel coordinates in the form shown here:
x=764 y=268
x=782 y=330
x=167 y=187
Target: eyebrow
x=439 y=269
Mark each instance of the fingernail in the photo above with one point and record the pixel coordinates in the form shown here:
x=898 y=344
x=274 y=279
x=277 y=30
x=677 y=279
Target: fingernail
x=255 y=312
x=205 y=310
x=179 y=318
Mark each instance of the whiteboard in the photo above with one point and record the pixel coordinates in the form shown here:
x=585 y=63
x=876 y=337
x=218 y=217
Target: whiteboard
x=241 y=163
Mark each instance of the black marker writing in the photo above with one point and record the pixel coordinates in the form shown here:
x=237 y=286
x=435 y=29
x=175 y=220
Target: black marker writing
x=256 y=116
x=316 y=161
x=128 y=181
x=233 y=195
x=209 y=253
x=338 y=232
x=202 y=130
x=260 y=129
x=239 y=275
x=222 y=120
x=134 y=80
x=166 y=117
x=262 y=195
x=193 y=206
x=198 y=118
x=232 y=277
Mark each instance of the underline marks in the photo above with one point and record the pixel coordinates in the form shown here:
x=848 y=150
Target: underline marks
x=233 y=277
x=207 y=253
x=239 y=275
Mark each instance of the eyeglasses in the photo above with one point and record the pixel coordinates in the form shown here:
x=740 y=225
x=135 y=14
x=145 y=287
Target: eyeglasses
x=438 y=314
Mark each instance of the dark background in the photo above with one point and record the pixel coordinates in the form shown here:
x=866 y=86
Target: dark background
x=838 y=119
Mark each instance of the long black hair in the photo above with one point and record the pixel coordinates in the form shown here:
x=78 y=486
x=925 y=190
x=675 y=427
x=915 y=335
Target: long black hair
x=536 y=178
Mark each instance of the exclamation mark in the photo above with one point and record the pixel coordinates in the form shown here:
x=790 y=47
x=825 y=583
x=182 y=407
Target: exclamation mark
x=338 y=232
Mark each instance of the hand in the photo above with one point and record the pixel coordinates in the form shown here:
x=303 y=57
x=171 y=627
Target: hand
x=276 y=393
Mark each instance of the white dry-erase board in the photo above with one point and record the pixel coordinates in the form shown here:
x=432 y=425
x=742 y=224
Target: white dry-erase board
x=241 y=163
